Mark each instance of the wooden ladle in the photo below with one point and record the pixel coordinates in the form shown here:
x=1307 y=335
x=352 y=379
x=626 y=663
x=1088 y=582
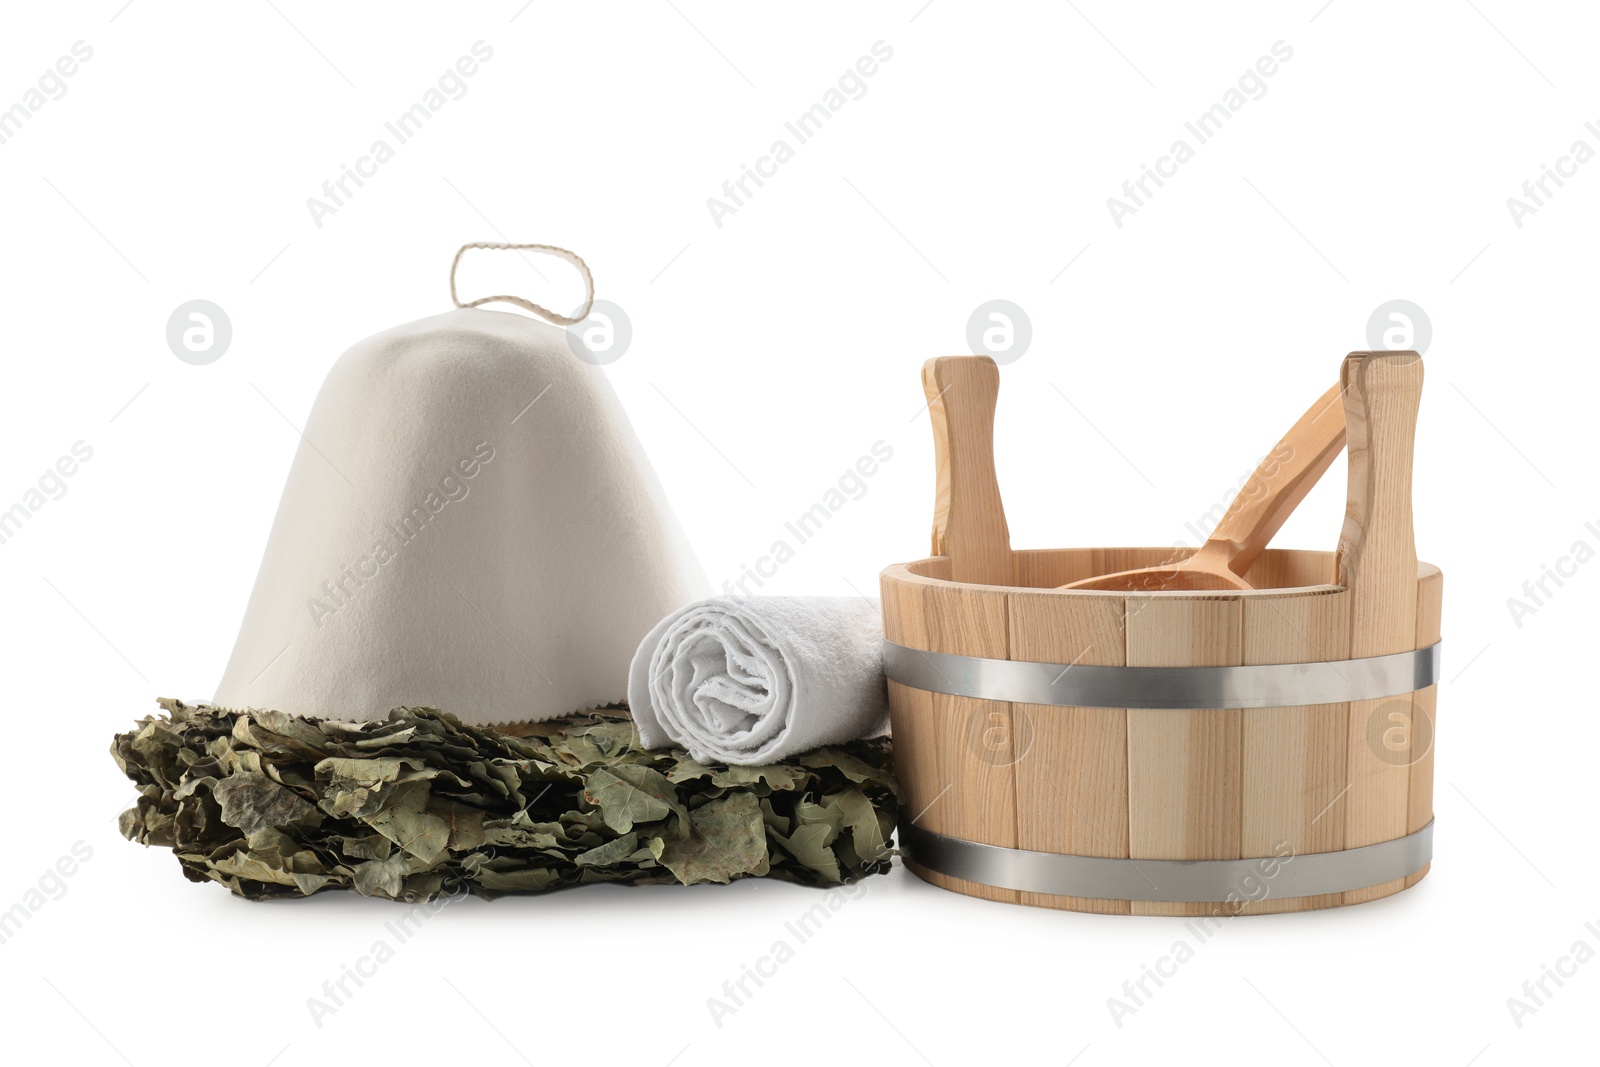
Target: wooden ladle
x=1265 y=502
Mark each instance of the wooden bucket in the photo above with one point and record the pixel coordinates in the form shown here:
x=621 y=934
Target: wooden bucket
x=1166 y=753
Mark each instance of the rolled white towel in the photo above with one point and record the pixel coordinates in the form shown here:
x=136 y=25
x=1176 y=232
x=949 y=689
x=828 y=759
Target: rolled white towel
x=758 y=680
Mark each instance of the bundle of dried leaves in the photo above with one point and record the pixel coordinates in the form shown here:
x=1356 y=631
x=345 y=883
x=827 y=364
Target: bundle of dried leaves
x=420 y=805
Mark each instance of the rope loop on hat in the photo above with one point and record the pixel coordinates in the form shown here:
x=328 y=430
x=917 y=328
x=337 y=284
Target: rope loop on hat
x=528 y=305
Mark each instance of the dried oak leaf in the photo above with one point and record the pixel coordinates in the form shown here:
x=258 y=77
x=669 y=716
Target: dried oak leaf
x=252 y=802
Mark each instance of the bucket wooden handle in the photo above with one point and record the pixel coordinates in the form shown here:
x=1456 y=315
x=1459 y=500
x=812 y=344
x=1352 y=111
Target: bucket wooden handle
x=969 y=521
x=1377 y=553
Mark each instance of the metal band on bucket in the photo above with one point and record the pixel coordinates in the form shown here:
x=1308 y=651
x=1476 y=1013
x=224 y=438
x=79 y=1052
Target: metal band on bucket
x=1170 y=881
x=1269 y=685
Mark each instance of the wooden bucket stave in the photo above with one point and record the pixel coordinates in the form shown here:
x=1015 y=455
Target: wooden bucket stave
x=1130 y=790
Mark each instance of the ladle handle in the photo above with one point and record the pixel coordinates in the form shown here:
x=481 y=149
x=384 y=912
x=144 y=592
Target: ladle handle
x=1280 y=482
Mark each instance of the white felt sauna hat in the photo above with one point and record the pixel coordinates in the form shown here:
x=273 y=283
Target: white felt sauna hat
x=469 y=524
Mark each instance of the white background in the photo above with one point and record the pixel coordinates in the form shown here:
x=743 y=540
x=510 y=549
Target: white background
x=768 y=354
